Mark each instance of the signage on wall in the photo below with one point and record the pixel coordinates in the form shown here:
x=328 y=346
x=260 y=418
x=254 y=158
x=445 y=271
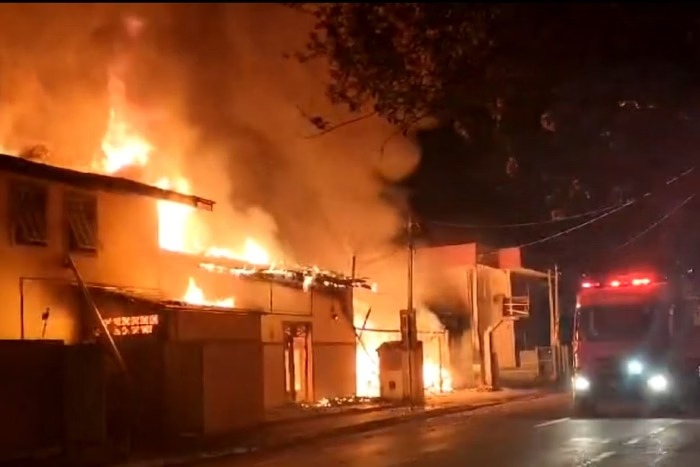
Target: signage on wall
x=132 y=325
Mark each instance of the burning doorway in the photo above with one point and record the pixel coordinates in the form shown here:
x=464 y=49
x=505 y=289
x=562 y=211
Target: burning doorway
x=296 y=361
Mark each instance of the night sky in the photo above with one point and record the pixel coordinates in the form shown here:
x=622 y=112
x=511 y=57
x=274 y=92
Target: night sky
x=627 y=123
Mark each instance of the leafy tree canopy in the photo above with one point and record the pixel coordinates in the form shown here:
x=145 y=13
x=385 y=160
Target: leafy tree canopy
x=580 y=104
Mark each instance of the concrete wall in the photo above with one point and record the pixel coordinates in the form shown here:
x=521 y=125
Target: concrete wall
x=31 y=396
x=493 y=285
x=127 y=229
x=332 y=348
x=227 y=360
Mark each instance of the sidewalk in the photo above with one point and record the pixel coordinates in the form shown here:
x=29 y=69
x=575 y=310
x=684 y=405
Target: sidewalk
x=286 y=433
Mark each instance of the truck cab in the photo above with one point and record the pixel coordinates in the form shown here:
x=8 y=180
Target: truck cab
x=623 y=346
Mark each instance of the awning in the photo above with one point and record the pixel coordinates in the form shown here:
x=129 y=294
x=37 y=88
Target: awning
x=529 y=273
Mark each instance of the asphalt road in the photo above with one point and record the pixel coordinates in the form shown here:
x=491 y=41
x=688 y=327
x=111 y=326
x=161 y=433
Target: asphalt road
x=537 y=433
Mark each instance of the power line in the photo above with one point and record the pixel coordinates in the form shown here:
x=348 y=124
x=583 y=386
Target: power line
x=593 y=212
x=576 y=227
x=522 y=224
x=658 y=222
x=604 y=215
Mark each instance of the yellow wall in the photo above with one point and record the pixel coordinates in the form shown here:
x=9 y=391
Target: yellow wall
x=332 y=352
x=493 y=286
x=127 y=255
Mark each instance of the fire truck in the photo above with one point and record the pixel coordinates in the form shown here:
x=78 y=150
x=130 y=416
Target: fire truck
x=636 y=342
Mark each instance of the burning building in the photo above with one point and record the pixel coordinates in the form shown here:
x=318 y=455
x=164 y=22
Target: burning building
x=72 y=271
x=152 y=261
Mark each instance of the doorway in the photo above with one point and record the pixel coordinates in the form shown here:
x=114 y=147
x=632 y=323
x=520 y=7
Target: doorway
x=296 y=361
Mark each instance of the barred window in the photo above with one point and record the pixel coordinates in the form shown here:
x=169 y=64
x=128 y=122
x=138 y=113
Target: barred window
x=28 y=212
x=81 y=220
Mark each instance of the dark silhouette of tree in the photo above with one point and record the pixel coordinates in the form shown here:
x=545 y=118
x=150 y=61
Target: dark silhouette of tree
x=572 y=106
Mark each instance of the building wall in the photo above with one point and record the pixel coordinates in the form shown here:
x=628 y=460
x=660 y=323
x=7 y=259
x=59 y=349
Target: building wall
x=332 y=348
x=231 y=366
x=32 y=397
x=127 y=229
x=493 y=286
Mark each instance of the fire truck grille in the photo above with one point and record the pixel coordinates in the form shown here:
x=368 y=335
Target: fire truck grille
x=608 y=368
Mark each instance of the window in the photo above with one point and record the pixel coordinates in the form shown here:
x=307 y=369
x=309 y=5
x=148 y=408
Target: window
x=81 y=217
x=28 y=211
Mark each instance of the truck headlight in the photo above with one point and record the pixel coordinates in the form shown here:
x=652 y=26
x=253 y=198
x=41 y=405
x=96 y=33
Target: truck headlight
x=581 y=383
x=635 y=367
x=658 y=383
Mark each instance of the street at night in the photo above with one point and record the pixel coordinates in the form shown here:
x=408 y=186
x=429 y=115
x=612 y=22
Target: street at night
x=541 y=433
x=353 y=234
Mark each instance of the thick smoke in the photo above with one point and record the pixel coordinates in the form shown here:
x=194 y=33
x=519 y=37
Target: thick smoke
x=213 y=88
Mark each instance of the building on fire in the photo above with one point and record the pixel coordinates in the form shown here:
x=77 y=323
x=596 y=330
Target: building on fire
x=467 y=289
x=82 y=256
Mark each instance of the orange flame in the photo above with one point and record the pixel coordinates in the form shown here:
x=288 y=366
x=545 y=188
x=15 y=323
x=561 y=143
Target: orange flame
x=123 y=146
x=436 y=377
x=195 y=295
x=179 y=228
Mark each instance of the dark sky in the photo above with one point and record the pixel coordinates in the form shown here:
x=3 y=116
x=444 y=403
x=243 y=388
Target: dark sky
x=627 y=125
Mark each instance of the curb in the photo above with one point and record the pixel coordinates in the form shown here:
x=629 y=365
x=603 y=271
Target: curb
x=332 y=433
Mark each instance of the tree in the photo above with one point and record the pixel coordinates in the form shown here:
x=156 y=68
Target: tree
x=576 y=104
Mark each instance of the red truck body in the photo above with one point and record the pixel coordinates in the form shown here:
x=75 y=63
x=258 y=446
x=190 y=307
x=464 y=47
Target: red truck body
x=636 y=338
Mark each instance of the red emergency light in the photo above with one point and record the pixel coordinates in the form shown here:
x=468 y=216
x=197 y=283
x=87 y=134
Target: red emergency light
x=620 y=282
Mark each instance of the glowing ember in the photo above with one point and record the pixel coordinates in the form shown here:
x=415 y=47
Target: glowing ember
x=195 y=296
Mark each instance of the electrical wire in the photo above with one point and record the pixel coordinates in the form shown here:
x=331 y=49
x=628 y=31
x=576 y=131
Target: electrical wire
x=523 y=224
x=604 y=215
x=553 y=221
x=605 y=212
x=574 y=228
x=655 y=224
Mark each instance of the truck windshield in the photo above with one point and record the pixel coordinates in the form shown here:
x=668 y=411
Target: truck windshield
x=620 y=322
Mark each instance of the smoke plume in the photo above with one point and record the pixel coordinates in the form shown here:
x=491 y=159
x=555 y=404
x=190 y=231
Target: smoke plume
x=212 y=87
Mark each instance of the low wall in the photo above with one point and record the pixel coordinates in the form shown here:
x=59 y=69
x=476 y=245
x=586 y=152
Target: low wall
x=31 y=397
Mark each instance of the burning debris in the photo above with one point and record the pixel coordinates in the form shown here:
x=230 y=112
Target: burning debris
x=341 y=402
x=300 y=276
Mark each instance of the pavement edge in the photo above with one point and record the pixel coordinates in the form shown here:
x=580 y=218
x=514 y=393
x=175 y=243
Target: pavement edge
x=332 y=433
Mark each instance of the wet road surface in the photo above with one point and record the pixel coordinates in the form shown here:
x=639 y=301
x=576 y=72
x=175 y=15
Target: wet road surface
x=539 y=433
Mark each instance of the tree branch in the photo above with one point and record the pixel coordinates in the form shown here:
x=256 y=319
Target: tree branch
x=326 y=128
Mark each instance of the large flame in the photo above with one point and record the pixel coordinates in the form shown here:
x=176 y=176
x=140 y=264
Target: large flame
x=195 y=295
x=180 y=230
x=123 y=146
x=436 y=376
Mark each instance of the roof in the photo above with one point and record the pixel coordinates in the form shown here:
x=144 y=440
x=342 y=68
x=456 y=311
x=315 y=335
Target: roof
x=151 y=297
x=529 y=273
x=96 y=182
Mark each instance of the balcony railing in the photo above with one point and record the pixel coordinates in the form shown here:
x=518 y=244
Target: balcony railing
x=518 y=307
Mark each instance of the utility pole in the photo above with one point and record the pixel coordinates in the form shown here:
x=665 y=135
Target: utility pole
x=552 y=320
x=553 y=282
x=411 y=255
x=409 y=307
x=557 y=344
